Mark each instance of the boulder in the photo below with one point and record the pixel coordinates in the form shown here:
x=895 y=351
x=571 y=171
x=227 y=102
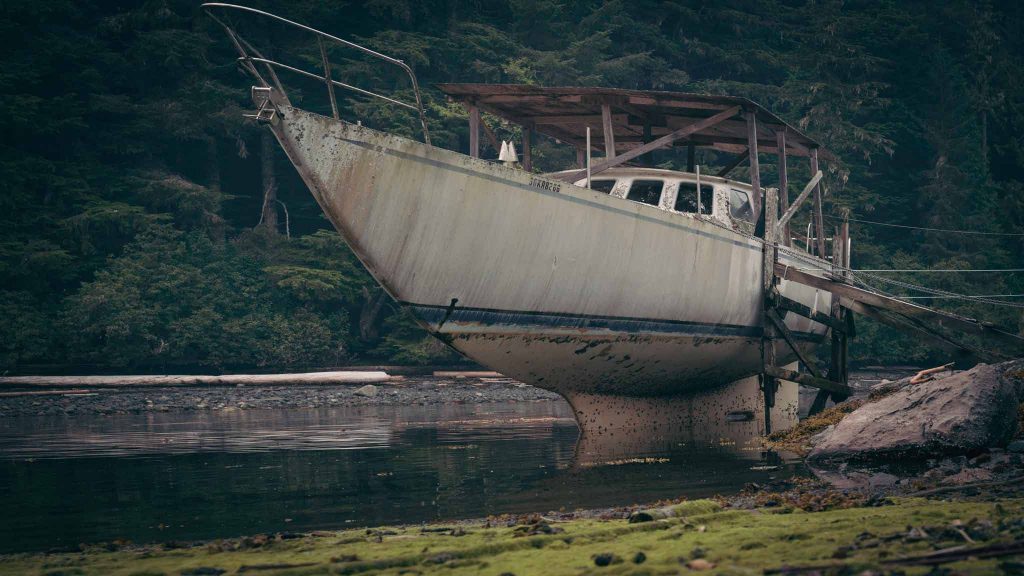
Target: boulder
x=962 y=413
x=368 y=391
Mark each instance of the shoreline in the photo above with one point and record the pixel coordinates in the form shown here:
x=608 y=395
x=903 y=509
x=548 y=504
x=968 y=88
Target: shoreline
x=792 y=526
x=397 y=390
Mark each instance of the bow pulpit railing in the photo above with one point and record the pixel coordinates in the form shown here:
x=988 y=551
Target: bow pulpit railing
x=252 y=60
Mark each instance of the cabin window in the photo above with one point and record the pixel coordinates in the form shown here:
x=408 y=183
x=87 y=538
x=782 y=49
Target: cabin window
x=686 y=198
x=601 y=185
x=646 y=191
x=739 y=205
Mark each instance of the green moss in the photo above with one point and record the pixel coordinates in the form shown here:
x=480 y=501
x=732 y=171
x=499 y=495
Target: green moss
x=796 y=438
x=736 y=541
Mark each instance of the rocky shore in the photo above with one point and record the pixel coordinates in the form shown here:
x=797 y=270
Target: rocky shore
x=397 y=391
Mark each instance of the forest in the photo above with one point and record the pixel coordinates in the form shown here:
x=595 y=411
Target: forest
x=147 y=225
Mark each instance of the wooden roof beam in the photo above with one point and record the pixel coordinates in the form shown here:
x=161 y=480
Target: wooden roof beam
x=659 y=143
x=574 y=119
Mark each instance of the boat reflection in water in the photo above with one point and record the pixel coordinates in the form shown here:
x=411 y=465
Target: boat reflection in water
x=187 y=476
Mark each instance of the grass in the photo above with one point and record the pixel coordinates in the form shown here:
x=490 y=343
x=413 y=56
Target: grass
x=734 y=541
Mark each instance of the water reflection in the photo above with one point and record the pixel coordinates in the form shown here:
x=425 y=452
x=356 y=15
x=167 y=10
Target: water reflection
x=187 y=476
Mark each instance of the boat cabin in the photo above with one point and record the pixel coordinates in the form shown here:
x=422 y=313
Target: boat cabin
x=720 y=200
x=614 y=132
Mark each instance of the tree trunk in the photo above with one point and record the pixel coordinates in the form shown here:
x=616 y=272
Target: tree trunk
x=373 y=303
x=268 y=216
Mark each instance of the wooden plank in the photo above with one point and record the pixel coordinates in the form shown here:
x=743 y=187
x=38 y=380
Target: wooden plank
x=474 y=131
x=904 y=324
x=784 y=221
x=743 y=157
x=783 y=330
x=664 y=140
x=795 y=307
x=609 y=131
x=780 y=140
x=573 y=119
x=667 y=103
x=808 y=380
x=819 y=221
x=905 y=308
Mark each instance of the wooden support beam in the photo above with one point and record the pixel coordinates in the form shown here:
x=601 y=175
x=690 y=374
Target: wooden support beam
x=819 y=220
x=855 y=294
x=780 y=139
x=780 y=325
x=474 y=131
x=650 y=146
x=905 y=324
x=649 y=157
x=755 y=173
x=574 y=119
x=740 y=159
x=784 y=221
x=491 y=138
x=609 y=131
x=808 y=380
x=527 y=148
x=780 y=301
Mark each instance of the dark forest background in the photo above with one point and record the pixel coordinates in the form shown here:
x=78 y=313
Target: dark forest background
x=145 y=224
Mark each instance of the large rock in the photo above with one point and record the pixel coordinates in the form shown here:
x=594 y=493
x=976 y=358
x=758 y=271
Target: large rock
x=961 y=413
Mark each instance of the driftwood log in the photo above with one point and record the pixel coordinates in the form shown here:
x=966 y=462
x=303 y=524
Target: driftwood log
x=323 y=378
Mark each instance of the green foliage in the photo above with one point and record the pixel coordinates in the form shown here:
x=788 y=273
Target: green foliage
x=130 y=189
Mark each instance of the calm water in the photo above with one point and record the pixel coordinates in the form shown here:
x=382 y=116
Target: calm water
x=159 y=477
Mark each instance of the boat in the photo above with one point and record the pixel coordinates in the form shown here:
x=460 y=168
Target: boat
x=609 y=279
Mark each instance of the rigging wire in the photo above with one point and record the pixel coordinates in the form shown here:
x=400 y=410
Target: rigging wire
x=969 y=295
x=946 y=270
x=858 y=278
x=946 y=230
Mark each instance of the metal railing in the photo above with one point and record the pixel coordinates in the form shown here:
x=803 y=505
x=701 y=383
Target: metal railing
x=251 y=58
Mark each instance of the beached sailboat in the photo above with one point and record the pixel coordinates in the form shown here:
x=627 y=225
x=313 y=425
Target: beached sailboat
x=618 y=280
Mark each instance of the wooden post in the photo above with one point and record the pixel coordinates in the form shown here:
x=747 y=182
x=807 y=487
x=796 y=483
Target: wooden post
x=780 y=139
x=769 y=384
x=609 y=131
x=648 y=159
x=474 y=131
x=755 y=173
x=819 y=220
x=527 y=155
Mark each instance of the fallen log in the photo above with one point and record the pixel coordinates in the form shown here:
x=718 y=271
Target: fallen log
x=321 y=378
x=466 y=374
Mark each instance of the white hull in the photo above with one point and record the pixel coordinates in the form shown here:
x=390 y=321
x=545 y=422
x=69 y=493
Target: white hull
x=553 y=284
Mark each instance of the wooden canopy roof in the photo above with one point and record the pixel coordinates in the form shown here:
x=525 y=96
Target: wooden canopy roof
x=636 y=116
